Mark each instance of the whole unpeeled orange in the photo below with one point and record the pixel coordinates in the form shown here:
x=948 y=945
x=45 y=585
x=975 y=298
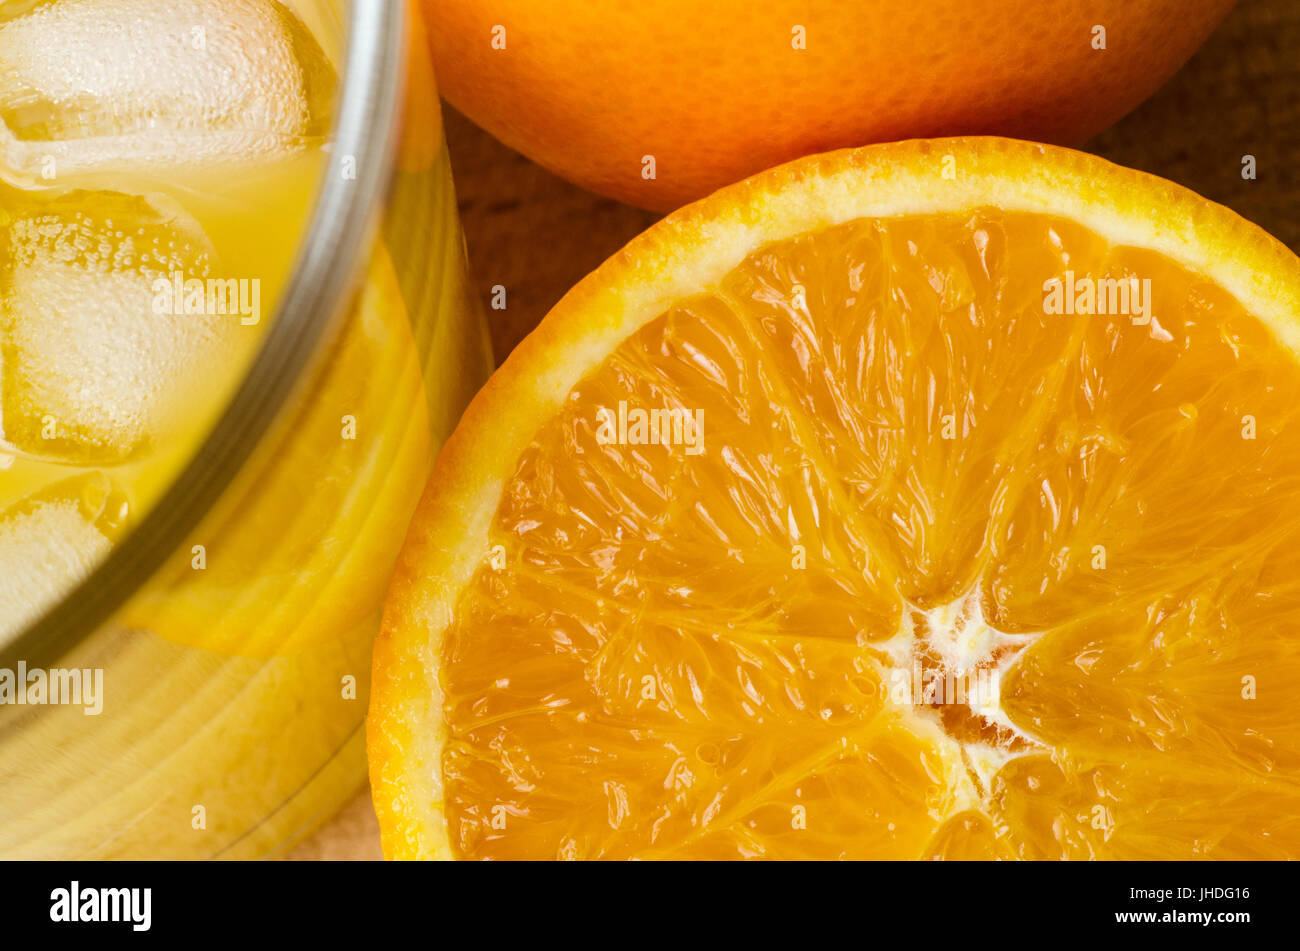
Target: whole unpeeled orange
x=698 y=95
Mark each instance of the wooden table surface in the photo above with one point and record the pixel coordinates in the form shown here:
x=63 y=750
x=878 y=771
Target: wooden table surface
x=538 y=235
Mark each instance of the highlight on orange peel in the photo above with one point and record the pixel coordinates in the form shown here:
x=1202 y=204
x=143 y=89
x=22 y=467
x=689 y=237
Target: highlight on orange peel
x=937 y=499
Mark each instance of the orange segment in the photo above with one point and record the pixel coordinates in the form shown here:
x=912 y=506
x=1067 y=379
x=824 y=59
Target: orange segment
x=1144 y=811
x=1155 y=425
x=1180 y=682
x=807 y=527
x=897 y=340
x=968 y=836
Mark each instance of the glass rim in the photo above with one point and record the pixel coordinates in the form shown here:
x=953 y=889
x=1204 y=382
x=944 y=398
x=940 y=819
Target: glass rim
x=364 y=134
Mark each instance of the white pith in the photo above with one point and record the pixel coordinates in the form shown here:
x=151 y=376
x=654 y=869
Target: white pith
x=960 y=636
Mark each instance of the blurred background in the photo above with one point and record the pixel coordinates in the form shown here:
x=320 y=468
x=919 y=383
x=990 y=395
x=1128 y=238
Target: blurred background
x=536 y=235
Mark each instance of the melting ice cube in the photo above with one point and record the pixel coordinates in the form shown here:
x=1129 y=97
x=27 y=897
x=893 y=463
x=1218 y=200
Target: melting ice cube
x=90 y=83
x=92 y=369
x=52 y=540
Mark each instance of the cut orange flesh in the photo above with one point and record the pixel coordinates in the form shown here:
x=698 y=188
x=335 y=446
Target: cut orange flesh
x=912 y=565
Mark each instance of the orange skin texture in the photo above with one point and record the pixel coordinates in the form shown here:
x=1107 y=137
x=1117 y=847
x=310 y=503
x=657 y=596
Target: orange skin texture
x=715 y=91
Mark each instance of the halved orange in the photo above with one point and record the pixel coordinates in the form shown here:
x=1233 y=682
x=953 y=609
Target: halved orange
x=935 y=499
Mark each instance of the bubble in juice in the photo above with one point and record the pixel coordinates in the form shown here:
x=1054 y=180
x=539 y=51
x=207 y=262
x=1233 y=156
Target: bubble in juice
x=86 y=84
x=51 y=540
x=99 y=354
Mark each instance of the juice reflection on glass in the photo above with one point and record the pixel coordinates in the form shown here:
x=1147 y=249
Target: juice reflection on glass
x=153 y=202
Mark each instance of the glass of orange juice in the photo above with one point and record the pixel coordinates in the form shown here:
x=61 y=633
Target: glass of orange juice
x=234 y=329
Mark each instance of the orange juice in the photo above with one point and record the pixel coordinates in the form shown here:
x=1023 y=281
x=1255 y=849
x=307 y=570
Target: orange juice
x=152 y=206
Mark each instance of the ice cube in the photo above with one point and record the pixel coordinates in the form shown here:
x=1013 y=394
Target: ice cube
x=90 y=83
x=52 y=540
x=92 y=369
